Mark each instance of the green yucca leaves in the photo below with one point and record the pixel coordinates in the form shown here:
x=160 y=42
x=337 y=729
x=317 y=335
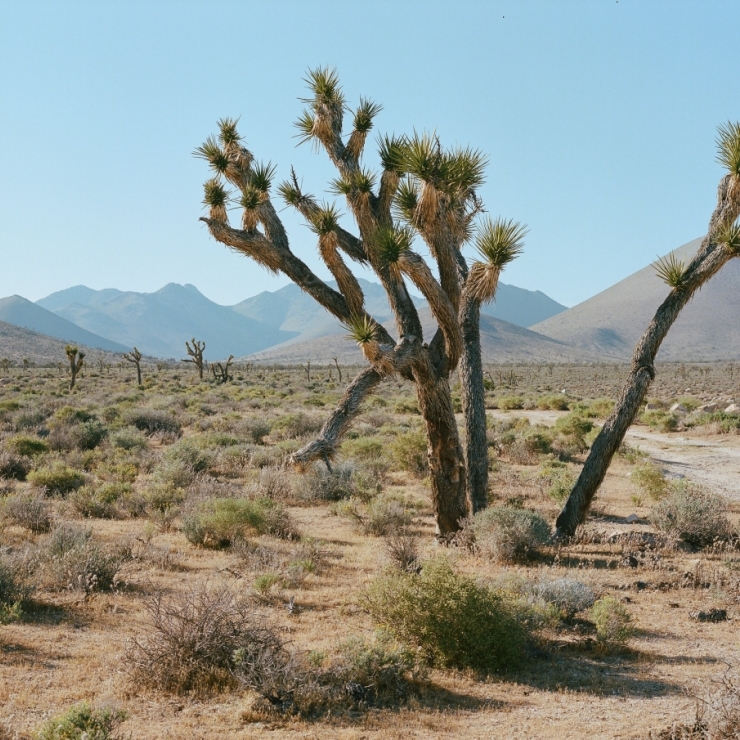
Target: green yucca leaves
x=211 y=152
x=324 y=83
x=499 y=242
x=463 y=169
x=305 y=126
x=227 y=131
x=341 y=186
x=262 y=175
x=671 y=270
x=289 y=193
x=366 y=111
x=362 y=181
x=728 y=146
x=407 y=197
x=325 y=219
x=730 y=237
x=362 y=329
x=392 y=241
x=251 y=197
x=214 y=193
x=422 y=156
x=392 y=155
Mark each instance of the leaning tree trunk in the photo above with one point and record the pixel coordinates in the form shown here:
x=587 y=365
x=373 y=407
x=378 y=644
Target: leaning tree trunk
x=710 y=258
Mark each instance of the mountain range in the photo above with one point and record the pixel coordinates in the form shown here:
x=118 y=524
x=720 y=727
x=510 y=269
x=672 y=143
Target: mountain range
x=287 y=325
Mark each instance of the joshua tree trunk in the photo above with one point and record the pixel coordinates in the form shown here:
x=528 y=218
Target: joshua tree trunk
x=135 y=357
x=196 y=355
x=76 y=361
x=721 y=244
x=423 y=191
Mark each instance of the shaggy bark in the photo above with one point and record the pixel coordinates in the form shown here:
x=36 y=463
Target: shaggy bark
x=708 y=261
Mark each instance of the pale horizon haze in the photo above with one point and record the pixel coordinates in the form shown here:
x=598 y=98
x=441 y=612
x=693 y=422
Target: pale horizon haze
x=598 y=118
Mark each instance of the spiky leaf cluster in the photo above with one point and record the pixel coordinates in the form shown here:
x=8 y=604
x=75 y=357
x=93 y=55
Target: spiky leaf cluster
x=671 y=270
x=362 y=329
x=212 y=153
x=500 y=241
x=325 y=220
x=324 y=83
x=214 y=193
x=392 y=153
x=251 y=198
x=362 y=181
x=728 y=146
x=364 y=115
x=730 y=237
x=262 y=175
x=391 y=242
x=407 y=198
x=228 y=133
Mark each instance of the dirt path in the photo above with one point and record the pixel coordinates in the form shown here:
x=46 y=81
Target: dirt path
x=712 y=460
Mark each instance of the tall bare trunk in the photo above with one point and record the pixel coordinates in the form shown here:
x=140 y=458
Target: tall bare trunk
x=474 y=406
x=707 y=262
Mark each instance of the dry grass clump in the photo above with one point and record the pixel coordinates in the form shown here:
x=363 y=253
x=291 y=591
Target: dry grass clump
x=402 y=549
x=31 y=510
x=13 y=467
x=15 y=585
x=153 y=421
x=693 y=514
x=506 y=534
x=190 y=639
x=385 y=514
x=452 y=619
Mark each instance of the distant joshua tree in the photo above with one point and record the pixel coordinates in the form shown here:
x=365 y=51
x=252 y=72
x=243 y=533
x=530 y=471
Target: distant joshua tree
x=196 y=355
x=720 y=245
x=339 y=370
x=5 y=364
x=76 y=361
x=423 y=191
x=221 y=372
x=135 y=357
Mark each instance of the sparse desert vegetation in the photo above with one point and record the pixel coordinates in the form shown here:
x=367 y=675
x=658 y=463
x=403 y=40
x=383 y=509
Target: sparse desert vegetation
x=164 y=573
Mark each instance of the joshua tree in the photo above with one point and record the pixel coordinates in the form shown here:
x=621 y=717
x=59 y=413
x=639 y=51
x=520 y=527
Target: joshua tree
x=423 y=191
x=339 y=369
x=307 y=368
x=196 y=355
x=135 y=357
x=720 y=245
x=221 y=372
x=76 y=361
x=5 y=364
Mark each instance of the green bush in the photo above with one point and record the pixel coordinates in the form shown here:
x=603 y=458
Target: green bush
x=505 y=533
x=406 y=407
x=570 y=433
x=82 y=722
x=218 y=522
x=129 y=438
x=99 y=502
x=383 y=515
x=451 y=618
x=153 y=421
x=255 y=430
x=693 y=514
x=613 y=622
x=292 y=426
x=510 y=403
x=663 y=421
x=557 y=402
x=57 y=479
x=26 y=446
x=649 y=478
x=364 y=448
x=317 y=483
x=15 y=587
x=409 y=450
x=560 y=480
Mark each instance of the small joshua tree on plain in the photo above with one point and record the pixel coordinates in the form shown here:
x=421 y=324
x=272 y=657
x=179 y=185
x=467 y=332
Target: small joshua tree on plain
x=135 y=357
x=196 y=355
x=76 y=361
x=339 y=369
x=221 y=372
x=423 y=191
x=719 y=246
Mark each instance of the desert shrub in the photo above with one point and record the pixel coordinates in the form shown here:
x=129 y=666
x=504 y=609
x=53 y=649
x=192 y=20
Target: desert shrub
x=30 y=419
x=217 y=522
x=451 y=618
x=402 y=549
x=510 y=403
x=29 y=510
x=71 y=558
x=26 y=446
x=409 y=450
x=505 y=533
x=558 y=478
x=129 y=438
x=153 y=421
x=406 y=407
x=191 y=639
x=649 y=478
x=383 y=515
x=568 y=595
x=57 y=479
x=274 y=483
x=255 y=430
x=613 y=622
x=99 y=502
x=188 y=454
x=693 y=514
x=570 y=434
x=557 y=402
x=291 y=426
x=15 y=586
x=318 y=483
x=719 y=421
x=82 y=722
x=13 y=467
x=663 y=421
x=364 y=448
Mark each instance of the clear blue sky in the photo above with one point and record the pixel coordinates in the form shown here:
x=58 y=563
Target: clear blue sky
x=598 y=116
